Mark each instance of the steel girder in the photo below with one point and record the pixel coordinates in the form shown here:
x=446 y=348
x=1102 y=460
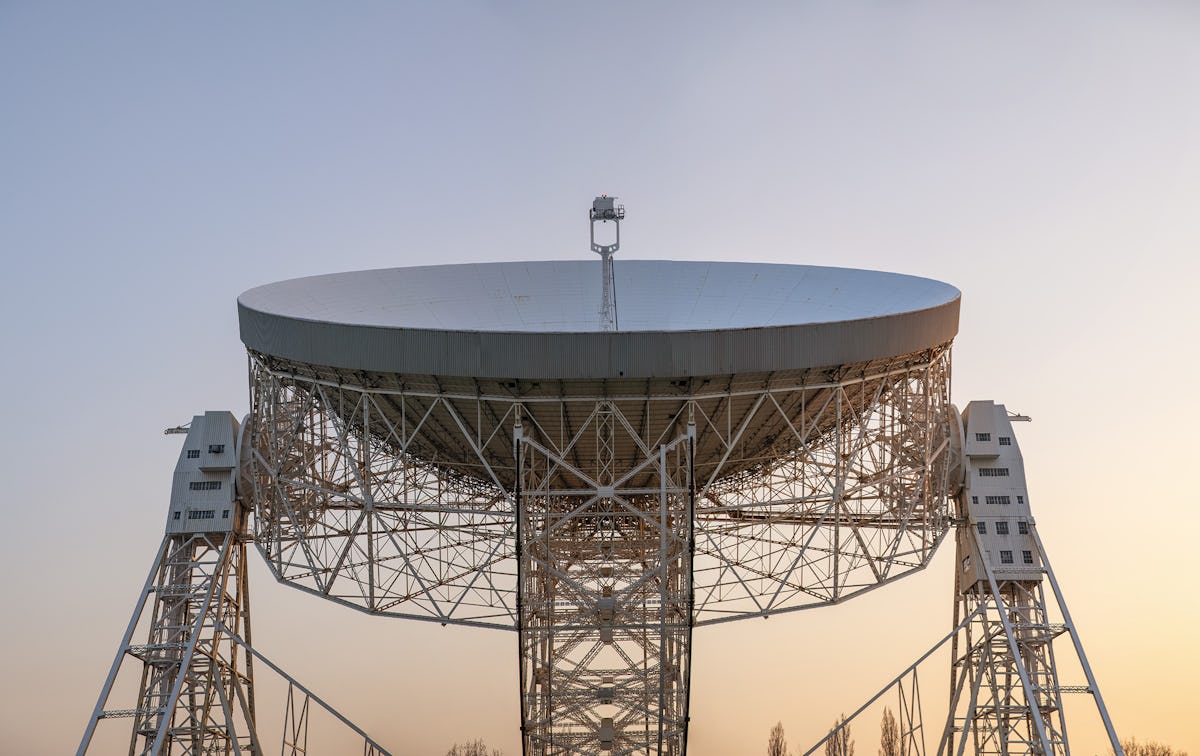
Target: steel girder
x=1005 y=694
x=196 y=694
x=602 y=528
x=853 y=497
x=1006 y=697
x=344 y=512
x=605 y=594
x=196 y=687
x=401 y=502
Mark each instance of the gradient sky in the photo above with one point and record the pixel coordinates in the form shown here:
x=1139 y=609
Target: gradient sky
x=158 y=159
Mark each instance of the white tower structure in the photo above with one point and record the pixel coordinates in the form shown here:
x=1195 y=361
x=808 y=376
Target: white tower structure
x=195 y=672
x=481 y=445
x=1006 y=696
x=198 y=600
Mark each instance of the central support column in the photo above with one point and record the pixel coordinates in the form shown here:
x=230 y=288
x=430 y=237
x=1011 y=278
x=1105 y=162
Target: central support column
x=605 y=597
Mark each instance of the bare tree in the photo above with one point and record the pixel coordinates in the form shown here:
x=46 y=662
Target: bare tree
x=889 y=735
x=1149 y=748
x=839 y=743
x=776 y=743
x=473 y=748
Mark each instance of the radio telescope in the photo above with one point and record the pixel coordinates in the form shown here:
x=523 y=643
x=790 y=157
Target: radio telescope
x=501 y=445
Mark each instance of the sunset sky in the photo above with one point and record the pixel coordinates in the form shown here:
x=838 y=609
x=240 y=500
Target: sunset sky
x=158 y=159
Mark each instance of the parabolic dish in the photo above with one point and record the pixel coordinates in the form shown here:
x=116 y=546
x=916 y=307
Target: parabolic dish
x=541 y=320
x=781 y=404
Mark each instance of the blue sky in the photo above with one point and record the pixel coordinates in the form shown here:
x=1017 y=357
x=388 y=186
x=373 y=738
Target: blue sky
x=157 y=160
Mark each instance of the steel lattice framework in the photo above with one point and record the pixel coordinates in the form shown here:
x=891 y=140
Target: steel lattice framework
x=1005 y=694
x=195 y=690
x=347 y=509
x=603 y=526
x=605 y=596
x=850 y=493
x=196 y=694
x=784 y=443
x=1005 y=702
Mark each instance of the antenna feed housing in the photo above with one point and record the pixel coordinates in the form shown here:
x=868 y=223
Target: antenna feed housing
x=605 y=209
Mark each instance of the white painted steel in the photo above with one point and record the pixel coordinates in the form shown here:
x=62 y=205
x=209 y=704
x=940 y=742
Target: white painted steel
x=1006 y=697
x=203 y=491
x=603 y=211
x=565 y=296
x=470 y=445
x=196 y=693
x=805 y=493
x=542 y=320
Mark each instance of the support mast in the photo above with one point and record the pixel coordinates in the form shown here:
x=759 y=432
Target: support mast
x=196 y=693
x=604 y=210
x=196 y=667
x=1006 y=696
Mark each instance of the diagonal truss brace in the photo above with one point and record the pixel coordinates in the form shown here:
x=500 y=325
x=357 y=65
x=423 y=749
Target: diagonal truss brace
x=196 y=691
x=992 y=645
x=296 y=727
x=1005 y=695
x=195 y=672
x=605 y=595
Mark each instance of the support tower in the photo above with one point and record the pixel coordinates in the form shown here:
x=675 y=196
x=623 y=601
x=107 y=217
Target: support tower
x=1006 y=692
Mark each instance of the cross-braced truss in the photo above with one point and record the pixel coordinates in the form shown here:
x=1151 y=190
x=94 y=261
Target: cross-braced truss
x=1005 y=694
x=196 y=691
x=850 y=495
x=345 y=509
x=407 y=496
x=602 y=521
x=399 y=500
x=605 y=593
x=1005 y=702
x=196 y=694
